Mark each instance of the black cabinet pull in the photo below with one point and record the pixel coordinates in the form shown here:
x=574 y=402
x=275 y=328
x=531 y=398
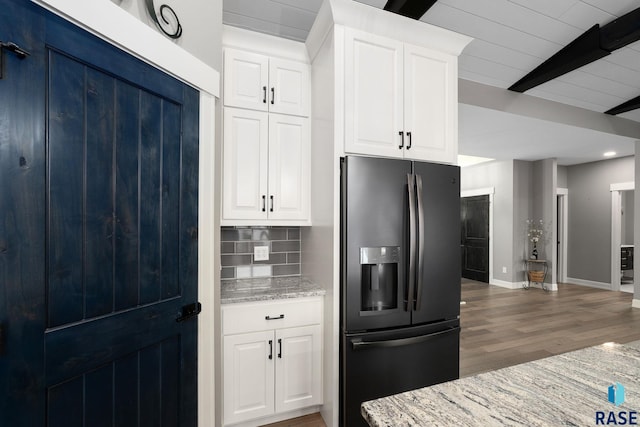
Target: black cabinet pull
x=279 y=348
x=270 y=349
x=274 y=318
x=409 y=144
x=264 y=203
x=264 y=94
x=273 y=95
x=271 y=208
x=401 y=139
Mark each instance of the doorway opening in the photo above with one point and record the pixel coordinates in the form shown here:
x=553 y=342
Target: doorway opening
x=622 y=230
x=475 y=236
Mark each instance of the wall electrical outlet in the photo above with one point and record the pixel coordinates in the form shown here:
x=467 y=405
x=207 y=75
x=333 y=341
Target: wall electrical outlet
x=504 y=269
x=260 y=253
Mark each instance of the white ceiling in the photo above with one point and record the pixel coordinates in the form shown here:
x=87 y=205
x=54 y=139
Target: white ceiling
x=511 y=38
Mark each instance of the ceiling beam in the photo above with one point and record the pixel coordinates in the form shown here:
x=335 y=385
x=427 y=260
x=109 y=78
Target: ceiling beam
x=409 y=8
x=632 y=104
x=592 y=45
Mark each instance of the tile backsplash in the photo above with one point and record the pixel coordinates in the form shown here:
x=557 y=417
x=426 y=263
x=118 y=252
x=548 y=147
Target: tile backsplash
x=237 y=251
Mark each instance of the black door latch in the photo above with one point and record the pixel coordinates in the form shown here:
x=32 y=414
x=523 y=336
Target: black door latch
x=189 y=311
x=11 y=47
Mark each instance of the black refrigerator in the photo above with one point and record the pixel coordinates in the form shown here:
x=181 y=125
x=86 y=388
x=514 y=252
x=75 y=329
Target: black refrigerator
x=400 y=279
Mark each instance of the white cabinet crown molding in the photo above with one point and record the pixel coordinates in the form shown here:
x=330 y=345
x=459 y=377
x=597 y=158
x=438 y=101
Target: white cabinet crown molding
x=138 y=39
x=377 y=21
x=263 y=44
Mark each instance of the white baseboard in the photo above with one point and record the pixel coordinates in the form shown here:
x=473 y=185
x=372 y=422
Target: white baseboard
x=635 y=303
x=505 y=284
x=521 y=285
x=590 y=283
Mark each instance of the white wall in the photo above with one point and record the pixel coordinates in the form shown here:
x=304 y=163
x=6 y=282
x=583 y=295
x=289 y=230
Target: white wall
x=201 y=22
x=589 y=243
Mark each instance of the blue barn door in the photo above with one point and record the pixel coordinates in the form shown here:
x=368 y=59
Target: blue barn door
x=98 y=232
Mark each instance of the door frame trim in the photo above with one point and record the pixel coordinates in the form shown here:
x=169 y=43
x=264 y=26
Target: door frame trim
x=563 y=194
x=616 y=229
x=486 y=191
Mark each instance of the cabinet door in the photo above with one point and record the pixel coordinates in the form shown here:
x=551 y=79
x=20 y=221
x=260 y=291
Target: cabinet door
x=289 y=145
x=288 y=87
x=431 y=105
x=246 y=80
x=373 y=94
x=248 y=376
x=298 y=367
x=245 y=164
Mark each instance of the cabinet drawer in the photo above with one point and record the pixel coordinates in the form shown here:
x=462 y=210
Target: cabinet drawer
x=261 y=316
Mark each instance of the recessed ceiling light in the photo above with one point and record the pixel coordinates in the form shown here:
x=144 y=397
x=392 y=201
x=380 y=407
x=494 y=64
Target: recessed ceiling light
x=610 y=154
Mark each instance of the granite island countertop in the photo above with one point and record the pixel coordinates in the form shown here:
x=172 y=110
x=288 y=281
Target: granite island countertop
x=264 y=289
x=567 y=389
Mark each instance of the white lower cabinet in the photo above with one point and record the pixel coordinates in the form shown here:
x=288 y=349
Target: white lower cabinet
x=276 y=369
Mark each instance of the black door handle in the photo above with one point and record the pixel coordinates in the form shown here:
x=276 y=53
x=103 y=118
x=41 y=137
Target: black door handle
x=401 y=139
x=359 y=344
x=270 y=349
x=264 y=94
x=264 y=203
x=273 y=95
x=271 y=208
x=409 y=144
x=189 y=311
x=11 y=47
x=279 y=348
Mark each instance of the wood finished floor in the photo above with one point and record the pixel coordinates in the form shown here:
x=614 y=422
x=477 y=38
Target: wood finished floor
x=313 y=420
x=504 y=327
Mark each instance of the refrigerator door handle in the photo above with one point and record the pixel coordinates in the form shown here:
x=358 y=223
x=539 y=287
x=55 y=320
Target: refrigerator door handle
x=358 y=344
x=420 y=275
x=412 y=241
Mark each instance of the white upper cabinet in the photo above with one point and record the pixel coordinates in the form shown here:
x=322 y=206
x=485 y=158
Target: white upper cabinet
x=246 y=80
x=430 y=105
x=400 y=99
x=266 y=168
x=289 y=158
x=289 y=87
x=259 y=82
x=373 y=94
x=246 y=157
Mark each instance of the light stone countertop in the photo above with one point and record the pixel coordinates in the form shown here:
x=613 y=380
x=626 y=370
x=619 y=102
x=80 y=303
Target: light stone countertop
x=566 y=389
x=265 y=289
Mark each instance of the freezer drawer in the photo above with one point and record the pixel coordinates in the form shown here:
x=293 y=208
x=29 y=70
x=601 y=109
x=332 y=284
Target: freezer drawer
x=378 y=364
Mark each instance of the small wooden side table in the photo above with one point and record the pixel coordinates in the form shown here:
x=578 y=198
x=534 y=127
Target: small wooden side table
x=536 y=270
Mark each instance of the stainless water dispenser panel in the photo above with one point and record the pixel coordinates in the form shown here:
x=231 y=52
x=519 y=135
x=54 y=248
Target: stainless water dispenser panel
x=379 y=277
x=380 y=255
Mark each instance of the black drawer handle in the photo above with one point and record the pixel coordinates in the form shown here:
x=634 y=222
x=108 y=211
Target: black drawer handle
x=274 y=318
